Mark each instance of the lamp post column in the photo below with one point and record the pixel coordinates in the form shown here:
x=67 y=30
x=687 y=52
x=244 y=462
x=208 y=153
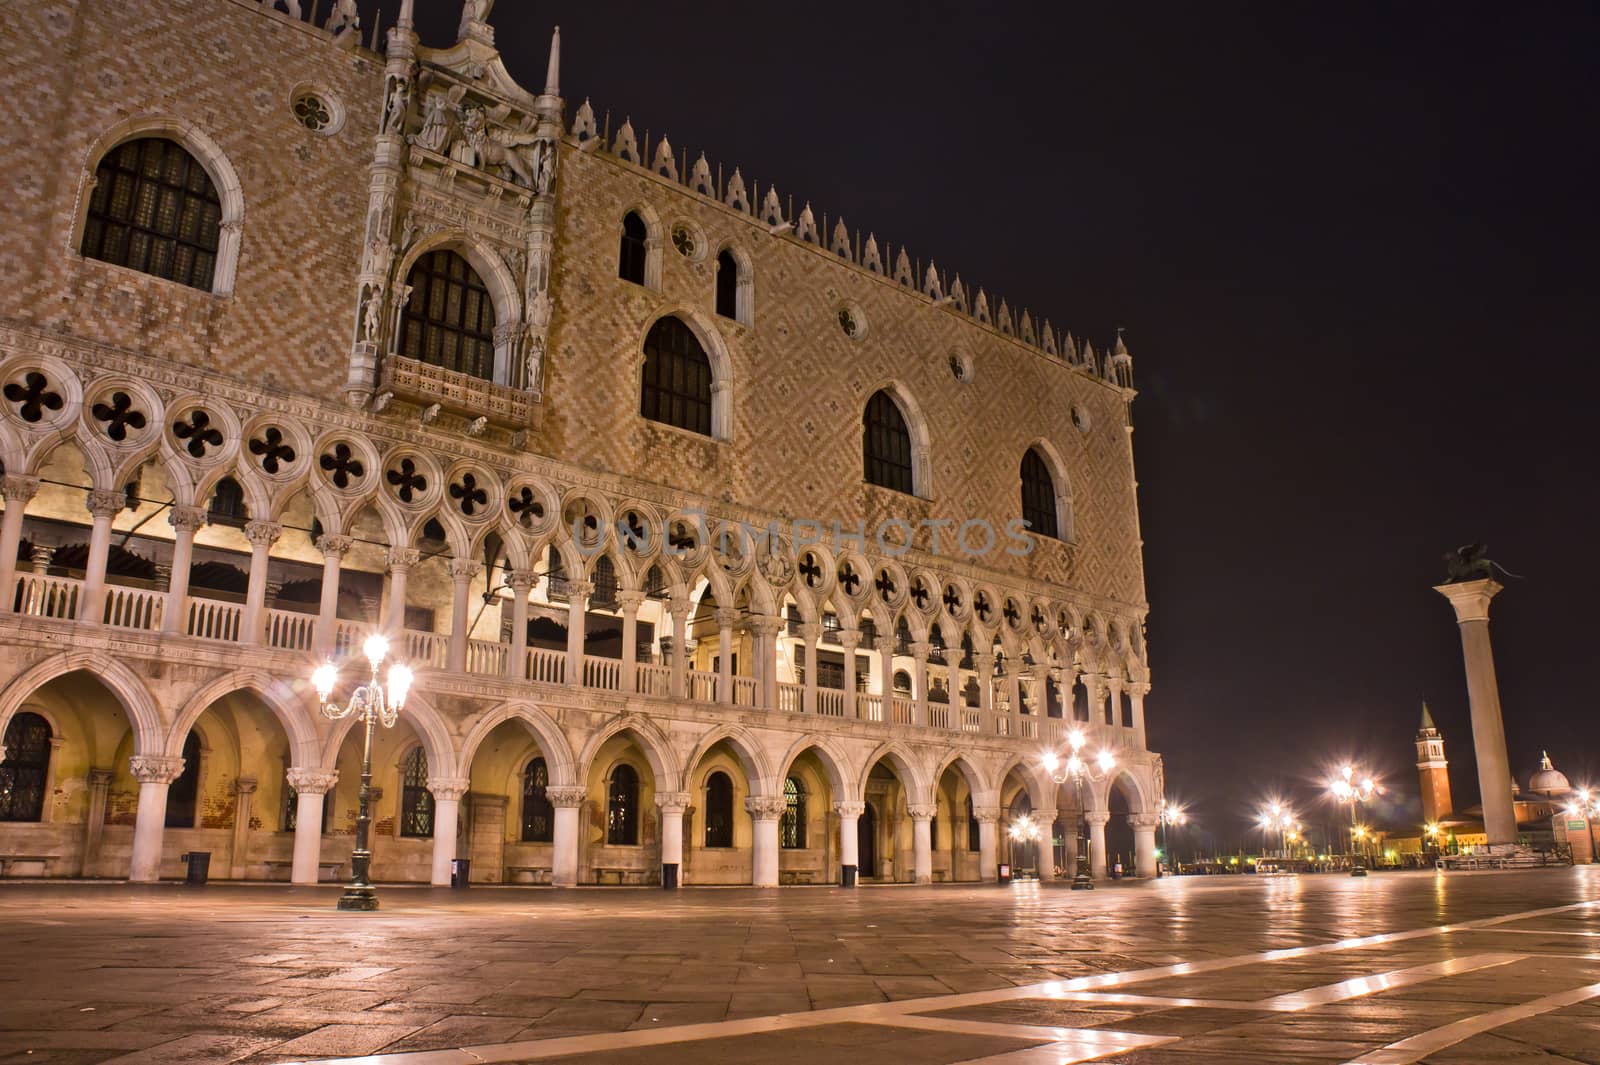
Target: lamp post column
x=849 y=842
x=311 y=787
x=567 y=800
x=447 y=794
x=155 y=773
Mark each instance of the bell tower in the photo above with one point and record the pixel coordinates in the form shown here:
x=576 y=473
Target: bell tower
x=1433 y=770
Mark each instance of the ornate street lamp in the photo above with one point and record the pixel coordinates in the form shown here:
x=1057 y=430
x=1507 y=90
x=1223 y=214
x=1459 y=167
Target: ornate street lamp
x=1080 y=772
x=1024 y=829
x=1588 y=805
x=1346 y=789
x=1278 y=818
x=371 y=703
x=1171 y=814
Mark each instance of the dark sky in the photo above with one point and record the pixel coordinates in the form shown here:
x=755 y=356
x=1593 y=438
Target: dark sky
x=1353 y=250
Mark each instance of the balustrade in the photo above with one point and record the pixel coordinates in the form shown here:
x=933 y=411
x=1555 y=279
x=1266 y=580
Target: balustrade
x=42 y=596
x=546 y=666
x=603 y=673
x=425 y=650
x=903 y=710
x=211 y=619
x=133 y=608
x=290 y=630
x=869 y=707
x=702 y=686
x=744 y=691
x=486 y=656
x=654 y=679
x=830 y=702
x=791 y=697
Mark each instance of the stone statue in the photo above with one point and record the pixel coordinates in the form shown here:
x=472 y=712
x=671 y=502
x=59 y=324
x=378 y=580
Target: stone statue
x=473 y=11
x=343 y=16
x=371 y=319
x=546 y=155
x=399 y=97
x=438 y=124
x=1468 y=563
x=497 y=148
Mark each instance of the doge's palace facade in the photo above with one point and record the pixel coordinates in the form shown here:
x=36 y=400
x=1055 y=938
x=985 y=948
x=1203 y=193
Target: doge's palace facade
x=728 y=543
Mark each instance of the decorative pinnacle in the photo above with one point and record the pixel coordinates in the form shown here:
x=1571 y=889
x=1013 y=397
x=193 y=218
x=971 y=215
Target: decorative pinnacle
x=552 y=74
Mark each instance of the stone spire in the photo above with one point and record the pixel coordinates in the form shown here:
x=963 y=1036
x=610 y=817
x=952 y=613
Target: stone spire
x=405 y=19
x=1427 y=719
x=552 y=74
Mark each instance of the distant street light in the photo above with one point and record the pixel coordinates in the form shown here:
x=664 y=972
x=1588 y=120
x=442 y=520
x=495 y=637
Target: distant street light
x=1347 y=789
x=1588 y=805
x=1079 y=772
x=1171 y=814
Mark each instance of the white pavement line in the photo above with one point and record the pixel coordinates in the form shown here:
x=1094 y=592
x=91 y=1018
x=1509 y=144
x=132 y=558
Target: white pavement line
x=1045 y=1033
x=1368 y=985
x=1541 y=932
x=1066 y=1052
x=1420 y=1046
x=535 y=1049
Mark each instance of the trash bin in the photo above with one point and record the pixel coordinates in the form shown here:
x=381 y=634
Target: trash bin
x=1005 y=873
x=460 y=869
x=199 y=863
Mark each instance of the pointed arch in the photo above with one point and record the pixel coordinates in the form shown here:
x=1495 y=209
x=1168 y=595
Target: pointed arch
x=752 y=758
x=715 y=348
x=1125 y=779
x=1041 y=791
x=497 y=279
x=288 y=701
x=149 y=731
x=553 y=745
x=840 y=779
x=648 y=735
x=1060 y=485
x=916 y=428
x=977 y=780
x=912 y=775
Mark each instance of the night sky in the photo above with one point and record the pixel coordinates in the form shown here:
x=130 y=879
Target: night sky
x=1352 y=247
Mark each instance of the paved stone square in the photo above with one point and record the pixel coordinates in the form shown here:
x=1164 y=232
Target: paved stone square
x=1397 y=968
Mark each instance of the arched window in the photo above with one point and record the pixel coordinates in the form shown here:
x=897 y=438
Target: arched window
x=1039 y=496
x=631 y=257
x=974 y=833
x=902 y=682
x=23 y=773
x=183 y=792
x=727 y=285
x=416 y=801
x=156 y=210
x=792 y=828
x=538 y=816
x=227 y=504
x=449 y=318
x=622 y=807
x=719 y=810
x=886 y=444
x=676 y=383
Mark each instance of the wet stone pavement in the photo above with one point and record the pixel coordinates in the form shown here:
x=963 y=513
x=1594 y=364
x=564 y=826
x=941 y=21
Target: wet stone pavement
x=1452 y=969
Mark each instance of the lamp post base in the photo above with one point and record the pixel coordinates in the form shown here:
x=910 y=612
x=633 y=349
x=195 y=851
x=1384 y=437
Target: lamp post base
x=359 y=898
x=1081 y=882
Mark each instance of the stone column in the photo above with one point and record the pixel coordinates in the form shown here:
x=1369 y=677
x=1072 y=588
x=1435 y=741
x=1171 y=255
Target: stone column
x=810 y=632
x=103 y=507
x=885 y=648
x=1013 y=682
x=678 y=681
x=244 y=791
x=566 y=799
x=18 y=492
x=401 y=559
x=919 y=681
x=727 y=618
x=42 y=556
x=1471 y=602
x=311 y=787
x=333 y=550
x=630 y=601
x=1136 y=693
x=922 y=842
x=849 y=639
x=983 y=666
x=95 y=822
x=849 y=842
x=1092 y=689
x=764 y=813
x=1097 y=842
x=1144 y=844
x=447 y=794
x=578 y=593
x=672 y=804
x=988 y=841
x=462 y=570
x=262 y=535
x=521 y=583
x=1045 y=859
x=185 y=522
x=155 y=773
x=1114 y=701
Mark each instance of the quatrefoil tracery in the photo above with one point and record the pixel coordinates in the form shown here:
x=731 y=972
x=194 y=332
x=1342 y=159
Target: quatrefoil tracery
x=34 y=396
x=199 y=433
x=119 y=416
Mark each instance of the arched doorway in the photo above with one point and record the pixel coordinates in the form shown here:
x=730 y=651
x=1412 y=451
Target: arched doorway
x=867 y=843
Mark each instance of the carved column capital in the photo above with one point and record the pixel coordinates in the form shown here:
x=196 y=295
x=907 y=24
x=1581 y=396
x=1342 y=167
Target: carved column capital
x=630 y=600
x=244 y=786
x=579 y=590
x=464 y=569
x=765 y=625
x=566 y=796
x=679 y=605
x=334 y=546
x=186 y=519
x=884 y=645
x=922 y=811
x=448 y=788
x=262 y=533
x=673 y=803
x=1143 y=820
x=845 y=808
x=849 y=639
x=919 y=650
x=18 y=489
x=1097 y=817
x=403 y=558
x=106 y=504
x=764 y=807
x=986 y=815
x=727 y=617
x=155 y=768
x=521 y=581
x=811 y=632
x=311 y=781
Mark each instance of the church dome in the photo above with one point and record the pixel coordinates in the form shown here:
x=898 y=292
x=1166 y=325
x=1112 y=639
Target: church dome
x=1549 y=780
